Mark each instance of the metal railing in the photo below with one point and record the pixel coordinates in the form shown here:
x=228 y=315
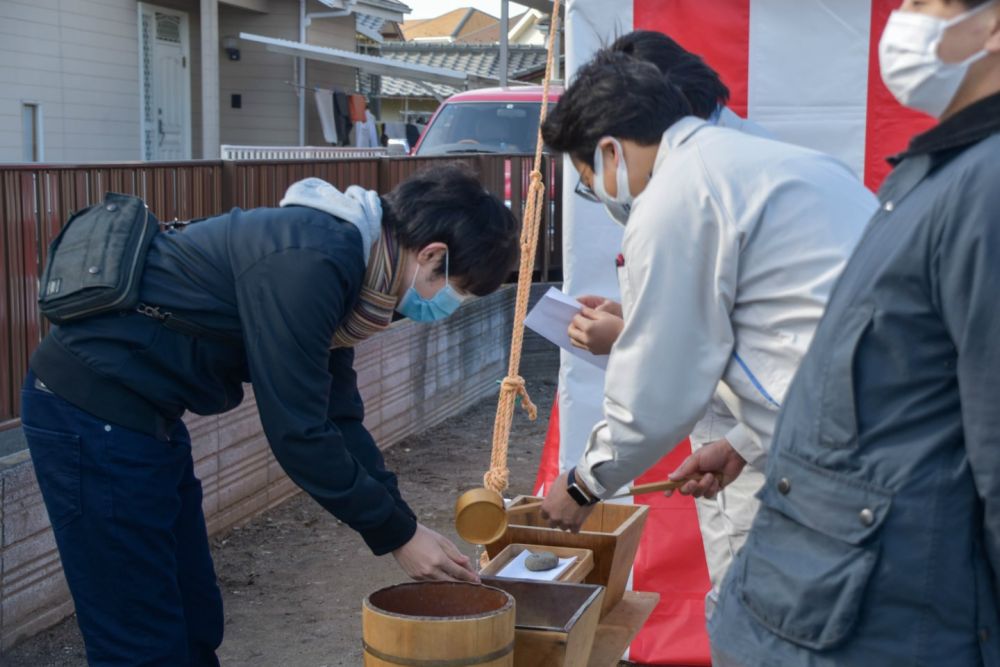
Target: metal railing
x=230 y=152
x=35 y=200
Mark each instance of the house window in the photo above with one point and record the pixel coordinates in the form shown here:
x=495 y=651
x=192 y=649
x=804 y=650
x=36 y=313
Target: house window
x=31 y=132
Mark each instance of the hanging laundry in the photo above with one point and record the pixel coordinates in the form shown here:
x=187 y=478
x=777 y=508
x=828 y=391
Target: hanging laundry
x=364 y=133
x=324 y=107
x=358 y=106
x=342 y=117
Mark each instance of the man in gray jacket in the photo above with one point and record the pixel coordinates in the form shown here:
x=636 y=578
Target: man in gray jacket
x=878 y=537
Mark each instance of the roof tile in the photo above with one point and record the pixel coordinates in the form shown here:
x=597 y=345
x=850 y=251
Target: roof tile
x=478 y=59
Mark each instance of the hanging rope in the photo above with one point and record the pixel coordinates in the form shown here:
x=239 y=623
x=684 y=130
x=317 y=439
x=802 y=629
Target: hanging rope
x=497 y=477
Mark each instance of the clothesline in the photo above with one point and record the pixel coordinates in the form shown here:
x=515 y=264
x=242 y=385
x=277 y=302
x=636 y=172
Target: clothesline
x=313 y=89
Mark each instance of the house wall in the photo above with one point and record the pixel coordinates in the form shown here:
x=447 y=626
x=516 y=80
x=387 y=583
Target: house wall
x=392 y=107
x=338 y=34
x=270 y=112
x=269 y=115
x=80 y=60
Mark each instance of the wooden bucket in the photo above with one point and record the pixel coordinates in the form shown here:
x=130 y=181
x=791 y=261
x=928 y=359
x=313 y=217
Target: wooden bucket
x=438 y=624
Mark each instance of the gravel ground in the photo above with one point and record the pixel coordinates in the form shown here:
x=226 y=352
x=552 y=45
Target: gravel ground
x=293 y=579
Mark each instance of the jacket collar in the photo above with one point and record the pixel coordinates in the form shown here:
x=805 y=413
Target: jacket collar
x=676 y=135
x=969 y=126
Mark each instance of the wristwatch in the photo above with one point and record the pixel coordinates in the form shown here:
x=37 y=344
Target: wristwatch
x=577 y=493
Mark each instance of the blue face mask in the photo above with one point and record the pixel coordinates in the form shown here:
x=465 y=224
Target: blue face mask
x=438 y=307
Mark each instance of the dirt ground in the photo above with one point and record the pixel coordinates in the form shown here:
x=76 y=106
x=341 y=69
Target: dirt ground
x=293 y=579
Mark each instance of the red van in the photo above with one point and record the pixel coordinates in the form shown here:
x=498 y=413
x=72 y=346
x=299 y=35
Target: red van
x=489 y=120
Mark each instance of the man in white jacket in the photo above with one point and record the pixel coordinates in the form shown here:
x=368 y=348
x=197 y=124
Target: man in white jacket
x=725 y=519
x=732 y=244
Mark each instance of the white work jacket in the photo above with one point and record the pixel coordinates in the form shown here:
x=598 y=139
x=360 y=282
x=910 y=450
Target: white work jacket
x=729 y=255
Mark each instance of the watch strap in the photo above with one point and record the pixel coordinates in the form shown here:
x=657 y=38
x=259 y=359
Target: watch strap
x=576 y=492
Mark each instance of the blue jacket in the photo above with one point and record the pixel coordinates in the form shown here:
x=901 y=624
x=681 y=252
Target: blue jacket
x=878 y=537
x=281 y=280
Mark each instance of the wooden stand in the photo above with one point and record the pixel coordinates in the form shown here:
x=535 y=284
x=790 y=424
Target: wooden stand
x=611 y=532
x=620 y=626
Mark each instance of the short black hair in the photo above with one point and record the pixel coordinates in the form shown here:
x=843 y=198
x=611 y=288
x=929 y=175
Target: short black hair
x=700 y=84
x=613 y=95
x=448 y=204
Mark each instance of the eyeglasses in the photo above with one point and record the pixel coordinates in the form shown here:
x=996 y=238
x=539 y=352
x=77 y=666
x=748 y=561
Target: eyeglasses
x=584 y=191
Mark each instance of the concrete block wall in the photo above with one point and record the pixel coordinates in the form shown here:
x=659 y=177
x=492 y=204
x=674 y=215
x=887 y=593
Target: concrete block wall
x=412 y=377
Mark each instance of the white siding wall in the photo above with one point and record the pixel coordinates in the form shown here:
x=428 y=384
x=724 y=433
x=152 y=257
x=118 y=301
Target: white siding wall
x=79 y=59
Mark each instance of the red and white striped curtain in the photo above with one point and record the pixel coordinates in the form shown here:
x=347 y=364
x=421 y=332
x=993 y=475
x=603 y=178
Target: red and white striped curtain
x=807 y=70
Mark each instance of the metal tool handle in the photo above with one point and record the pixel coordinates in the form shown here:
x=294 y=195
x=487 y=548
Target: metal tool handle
x=639 y=489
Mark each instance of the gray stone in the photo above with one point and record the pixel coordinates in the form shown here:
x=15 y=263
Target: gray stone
x=540 y=561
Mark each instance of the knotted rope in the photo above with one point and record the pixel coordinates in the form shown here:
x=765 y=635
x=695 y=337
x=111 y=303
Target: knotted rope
x=498 y=476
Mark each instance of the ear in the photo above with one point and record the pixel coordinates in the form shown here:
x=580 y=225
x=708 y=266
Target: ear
x=432 y=254
x=609 y=151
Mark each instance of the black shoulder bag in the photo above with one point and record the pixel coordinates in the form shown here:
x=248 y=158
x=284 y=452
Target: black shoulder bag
x=95 y=264
x=95 y=267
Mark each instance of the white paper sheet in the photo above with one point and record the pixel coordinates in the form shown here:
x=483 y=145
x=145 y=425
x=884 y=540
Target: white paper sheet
x=550 y=319
x=516 y=569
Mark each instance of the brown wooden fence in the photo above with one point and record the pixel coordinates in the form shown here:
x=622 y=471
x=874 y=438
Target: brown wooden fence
x=35 y=200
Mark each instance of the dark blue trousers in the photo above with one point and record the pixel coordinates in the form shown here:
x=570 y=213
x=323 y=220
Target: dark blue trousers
x=126 y=511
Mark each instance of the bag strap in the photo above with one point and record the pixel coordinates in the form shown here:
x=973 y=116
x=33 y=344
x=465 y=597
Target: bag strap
x=187 y=327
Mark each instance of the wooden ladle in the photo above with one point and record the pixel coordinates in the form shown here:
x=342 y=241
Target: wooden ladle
x=481 y=515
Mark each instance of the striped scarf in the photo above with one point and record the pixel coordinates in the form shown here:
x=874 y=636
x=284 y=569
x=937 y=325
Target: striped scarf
x=377 y=302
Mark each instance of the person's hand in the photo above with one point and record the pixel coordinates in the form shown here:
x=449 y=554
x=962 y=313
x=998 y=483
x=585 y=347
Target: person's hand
x=601 y=304
x=714 y=465
x=560 y=510
x=429 y=556
x=595 y=330
x=612 y=308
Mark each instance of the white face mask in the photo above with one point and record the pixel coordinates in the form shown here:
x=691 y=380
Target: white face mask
x=911 y=67
x=618 y=207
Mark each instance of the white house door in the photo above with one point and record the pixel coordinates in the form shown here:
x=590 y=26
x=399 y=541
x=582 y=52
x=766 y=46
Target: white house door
x=166 y=84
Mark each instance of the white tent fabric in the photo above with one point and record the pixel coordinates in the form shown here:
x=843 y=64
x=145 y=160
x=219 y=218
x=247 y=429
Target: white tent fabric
x=797 y=89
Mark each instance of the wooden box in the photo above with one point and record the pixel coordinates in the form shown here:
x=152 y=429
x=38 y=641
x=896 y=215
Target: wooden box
x=574 y=574
x=611 y=532
x=554 y=623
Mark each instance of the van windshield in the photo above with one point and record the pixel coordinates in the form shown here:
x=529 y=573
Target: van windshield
x=483 y=127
